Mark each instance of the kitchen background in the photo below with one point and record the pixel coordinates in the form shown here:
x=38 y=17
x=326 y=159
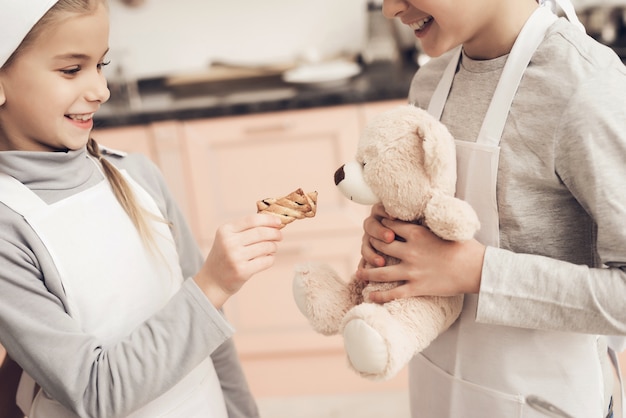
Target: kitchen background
x=157 y=38
x=160 y=38
x=237 y=101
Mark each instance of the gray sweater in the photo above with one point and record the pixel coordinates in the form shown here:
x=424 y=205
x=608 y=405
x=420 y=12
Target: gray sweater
x=71 y=366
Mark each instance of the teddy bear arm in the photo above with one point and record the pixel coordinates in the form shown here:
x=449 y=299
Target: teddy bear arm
x=451 y=218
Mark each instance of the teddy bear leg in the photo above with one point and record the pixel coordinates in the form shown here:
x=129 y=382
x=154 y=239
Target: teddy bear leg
x=374 y=342
x=381 y=339
x=322 y=296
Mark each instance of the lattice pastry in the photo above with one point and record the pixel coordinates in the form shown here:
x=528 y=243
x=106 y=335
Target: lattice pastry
x=296 y=205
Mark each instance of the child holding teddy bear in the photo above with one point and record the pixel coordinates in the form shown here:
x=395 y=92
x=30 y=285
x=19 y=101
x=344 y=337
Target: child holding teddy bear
x=537 y=109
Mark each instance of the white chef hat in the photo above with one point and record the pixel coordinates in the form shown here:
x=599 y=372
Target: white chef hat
x=17 y=18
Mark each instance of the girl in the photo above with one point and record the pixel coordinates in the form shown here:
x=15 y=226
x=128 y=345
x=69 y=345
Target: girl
x=105 y=301
x=538 y=111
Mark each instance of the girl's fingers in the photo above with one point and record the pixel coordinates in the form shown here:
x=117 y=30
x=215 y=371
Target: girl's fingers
x=369 y=255
x=391 y=249
x=381 y=274
x=261 y=263
x=385 y=296
x=253 y=221
x=259 y=249
x=375 y=229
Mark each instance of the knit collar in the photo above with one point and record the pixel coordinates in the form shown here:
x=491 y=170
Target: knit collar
x=45 y=170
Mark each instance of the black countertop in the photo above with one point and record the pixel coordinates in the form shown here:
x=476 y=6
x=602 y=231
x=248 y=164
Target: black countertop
x=158 y=102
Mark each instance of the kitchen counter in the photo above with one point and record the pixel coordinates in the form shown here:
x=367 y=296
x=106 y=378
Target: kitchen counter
x=158 y=100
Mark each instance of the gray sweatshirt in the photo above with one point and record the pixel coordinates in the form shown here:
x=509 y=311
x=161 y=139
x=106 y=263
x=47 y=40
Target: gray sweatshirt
x=71 y=366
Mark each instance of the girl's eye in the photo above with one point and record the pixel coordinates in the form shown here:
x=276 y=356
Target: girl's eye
x=71 y=71
x=103 y=64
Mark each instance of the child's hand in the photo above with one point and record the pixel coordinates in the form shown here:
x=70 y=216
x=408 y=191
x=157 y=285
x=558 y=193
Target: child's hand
x=374 y=230
x=428 y=264
x=240 y=250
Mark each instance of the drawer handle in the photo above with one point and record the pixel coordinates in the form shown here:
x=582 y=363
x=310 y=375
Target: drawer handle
x=258 y=130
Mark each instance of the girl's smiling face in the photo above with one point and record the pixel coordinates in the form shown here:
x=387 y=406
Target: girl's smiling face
x=50 y=91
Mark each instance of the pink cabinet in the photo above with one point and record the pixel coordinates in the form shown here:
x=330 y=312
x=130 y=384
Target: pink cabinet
x=236 y=161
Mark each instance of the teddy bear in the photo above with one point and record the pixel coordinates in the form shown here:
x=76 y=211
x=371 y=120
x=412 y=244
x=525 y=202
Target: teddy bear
x=406 y=160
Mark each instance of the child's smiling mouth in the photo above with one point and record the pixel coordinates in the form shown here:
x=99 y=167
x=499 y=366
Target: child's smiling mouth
x=84 y=120
x=80 y=118
x=420 y=24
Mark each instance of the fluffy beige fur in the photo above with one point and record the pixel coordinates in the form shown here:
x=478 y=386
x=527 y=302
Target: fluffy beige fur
x=406 y=160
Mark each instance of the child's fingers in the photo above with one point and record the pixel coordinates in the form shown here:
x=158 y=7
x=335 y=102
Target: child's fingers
x=384 y=296
x=254 y=221
x=261 y=263
x=374 y=228
x=259 y=249
x=369 y=255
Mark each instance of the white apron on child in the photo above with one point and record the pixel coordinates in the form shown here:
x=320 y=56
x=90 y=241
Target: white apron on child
x=475 y=370
x=113 y=284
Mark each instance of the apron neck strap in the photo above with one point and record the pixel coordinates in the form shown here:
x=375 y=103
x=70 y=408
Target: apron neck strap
x=527 y=42
x=19 y=197
x=440 y=95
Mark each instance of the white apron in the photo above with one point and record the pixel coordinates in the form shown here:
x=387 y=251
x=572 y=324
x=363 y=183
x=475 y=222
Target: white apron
x=115 y=291
x=480 y=371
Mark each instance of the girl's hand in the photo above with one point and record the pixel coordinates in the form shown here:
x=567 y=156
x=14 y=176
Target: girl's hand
x=240 y=250
x=375 y=231
x=428 y=264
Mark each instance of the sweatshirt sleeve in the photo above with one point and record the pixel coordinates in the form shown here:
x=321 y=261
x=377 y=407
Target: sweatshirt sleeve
x=533 y=291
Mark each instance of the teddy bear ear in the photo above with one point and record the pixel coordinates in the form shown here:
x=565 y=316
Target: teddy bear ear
x=439 y=150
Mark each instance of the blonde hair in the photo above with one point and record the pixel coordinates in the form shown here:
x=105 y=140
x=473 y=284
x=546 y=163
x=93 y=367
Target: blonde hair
x=126 y=198
x=121 y=189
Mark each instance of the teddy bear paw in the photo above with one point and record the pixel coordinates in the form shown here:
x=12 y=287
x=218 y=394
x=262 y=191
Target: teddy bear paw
x=365 y=347
x=321 y=295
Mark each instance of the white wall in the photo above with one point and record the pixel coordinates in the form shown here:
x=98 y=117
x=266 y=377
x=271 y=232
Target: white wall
x=165 y=36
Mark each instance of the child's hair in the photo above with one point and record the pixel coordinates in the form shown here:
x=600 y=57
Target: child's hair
x=124 y=194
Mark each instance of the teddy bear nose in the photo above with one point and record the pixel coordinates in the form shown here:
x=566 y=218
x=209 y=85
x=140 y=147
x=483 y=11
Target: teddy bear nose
x=339 y=175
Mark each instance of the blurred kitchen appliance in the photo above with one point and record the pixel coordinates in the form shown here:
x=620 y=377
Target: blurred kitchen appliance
x=381 y=42
x=388 y=40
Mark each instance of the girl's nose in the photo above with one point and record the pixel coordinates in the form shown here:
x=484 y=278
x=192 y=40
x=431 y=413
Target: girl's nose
x=98 y=90
x=393 y=8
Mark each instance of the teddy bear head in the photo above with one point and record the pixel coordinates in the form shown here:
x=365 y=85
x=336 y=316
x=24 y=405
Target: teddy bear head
x=404 y=158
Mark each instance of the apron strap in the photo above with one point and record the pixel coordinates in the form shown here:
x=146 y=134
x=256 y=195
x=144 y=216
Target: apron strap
x=529 y=38
x=440 y=95
x=18 y=197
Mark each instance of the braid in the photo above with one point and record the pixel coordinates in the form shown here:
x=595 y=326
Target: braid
x=125 y=196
